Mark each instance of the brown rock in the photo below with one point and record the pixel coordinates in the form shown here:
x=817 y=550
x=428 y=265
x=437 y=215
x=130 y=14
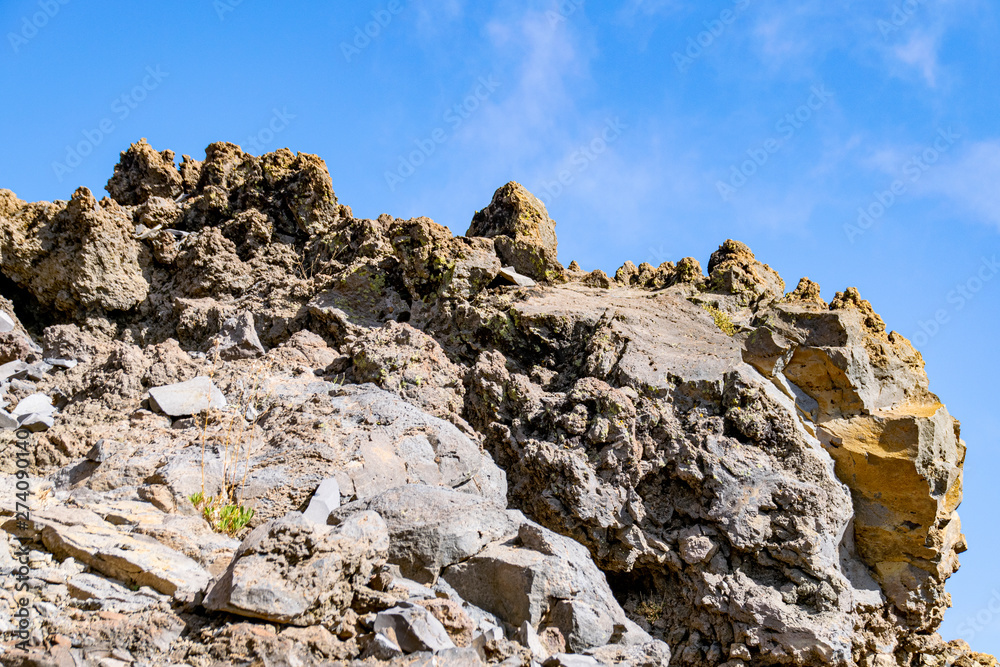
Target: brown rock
x=733 y=269
x=454 y=619
x=142 y=173
x=74 y=256
x=525 y=235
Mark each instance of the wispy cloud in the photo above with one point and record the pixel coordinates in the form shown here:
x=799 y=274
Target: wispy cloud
x=634 y=9
x=970 y=181
x=920 y=52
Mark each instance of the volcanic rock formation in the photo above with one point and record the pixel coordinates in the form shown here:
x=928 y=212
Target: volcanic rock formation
x=513 y=462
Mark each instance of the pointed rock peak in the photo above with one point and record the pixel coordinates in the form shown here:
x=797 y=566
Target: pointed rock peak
x=525 y=234
x=83 y=199
x=142 y=173
x=850 y=299
x=516 y=213
x=807 y=291
x=733 y=269
x=730 y=251
x=9 y=203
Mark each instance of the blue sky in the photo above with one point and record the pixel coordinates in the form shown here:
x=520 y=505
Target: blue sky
x=653 y=129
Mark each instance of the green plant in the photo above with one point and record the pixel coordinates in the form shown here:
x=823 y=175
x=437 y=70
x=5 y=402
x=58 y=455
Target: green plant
x=228 y=518
x=722 y=320
x=226 y=511
x=650 y=610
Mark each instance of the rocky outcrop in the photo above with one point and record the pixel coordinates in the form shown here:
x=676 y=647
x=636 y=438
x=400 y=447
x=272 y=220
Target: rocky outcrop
x=497 y=460
x=524 y=234
x=77 y=256
x=864 y=393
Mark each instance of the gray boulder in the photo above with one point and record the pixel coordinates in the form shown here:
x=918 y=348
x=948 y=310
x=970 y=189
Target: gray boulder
x=431 y=528
x=413 y=628
x=541 y=576
x=238 y=338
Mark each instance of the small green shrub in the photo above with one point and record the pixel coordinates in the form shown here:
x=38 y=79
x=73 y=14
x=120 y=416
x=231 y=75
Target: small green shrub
x=650 y=610
x=225 y=518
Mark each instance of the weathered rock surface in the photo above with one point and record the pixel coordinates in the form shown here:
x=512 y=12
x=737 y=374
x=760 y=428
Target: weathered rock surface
x=292 y=570
x=135 y=559
x=663 y=467
x=413 y=628
x=538 y=577
x=524 y=234
x=425 y=535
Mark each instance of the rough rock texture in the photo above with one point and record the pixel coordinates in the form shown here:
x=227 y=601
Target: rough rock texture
x=292 y=570
x=525 y=235
x=663 y=467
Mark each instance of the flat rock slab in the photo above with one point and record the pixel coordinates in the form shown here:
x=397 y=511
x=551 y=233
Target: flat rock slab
x=187 y=398
x=7 y=421
x=6 y=322
x=571 y=660
x=510 y=275
x=36 y=422
x=12 y=368
x=109 y=595
x=36 y=404
x=135 y=559
x=324 y=500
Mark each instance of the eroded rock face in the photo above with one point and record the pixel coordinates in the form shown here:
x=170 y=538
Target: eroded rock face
x=894 y=444
x=74 y=256
x=294 y=571
x=660 y=467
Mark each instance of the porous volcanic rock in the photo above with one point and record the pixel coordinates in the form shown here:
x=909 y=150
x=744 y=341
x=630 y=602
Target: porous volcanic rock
x=663 y=467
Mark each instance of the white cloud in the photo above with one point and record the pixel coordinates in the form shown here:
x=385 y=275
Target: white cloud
x=921 y=53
